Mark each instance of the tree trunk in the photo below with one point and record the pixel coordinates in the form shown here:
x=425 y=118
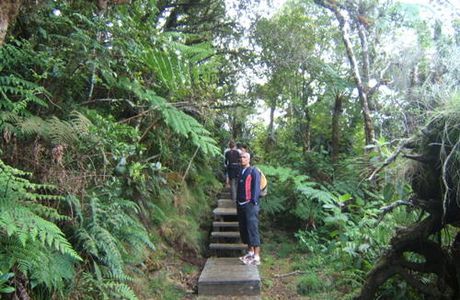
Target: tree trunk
x=336 y=128
x=9 y=10
x=307 y=131
x=236 y=127
x=362 y=90
x=271 y=126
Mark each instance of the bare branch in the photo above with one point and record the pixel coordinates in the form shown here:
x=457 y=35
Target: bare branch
x=389 y=208
x=289 y=274
x=390 y=159
x=445 y=166
x=190 y=164
x=392 y=206
x=417 y=157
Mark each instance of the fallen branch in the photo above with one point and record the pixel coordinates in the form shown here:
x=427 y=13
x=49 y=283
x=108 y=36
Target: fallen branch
x=289 y=274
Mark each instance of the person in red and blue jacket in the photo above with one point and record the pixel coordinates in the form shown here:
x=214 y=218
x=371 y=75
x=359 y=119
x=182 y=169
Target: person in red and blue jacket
x=248 y=209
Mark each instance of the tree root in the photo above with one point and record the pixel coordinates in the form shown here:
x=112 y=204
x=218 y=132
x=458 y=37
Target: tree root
x=415 y=239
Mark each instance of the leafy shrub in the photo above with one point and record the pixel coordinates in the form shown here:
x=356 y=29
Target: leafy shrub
x=309 y=284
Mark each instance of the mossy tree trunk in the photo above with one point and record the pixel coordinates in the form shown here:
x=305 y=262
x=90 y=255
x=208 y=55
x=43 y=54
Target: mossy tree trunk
x=9 y=10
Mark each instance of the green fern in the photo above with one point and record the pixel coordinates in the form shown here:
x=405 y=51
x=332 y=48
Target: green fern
x=29 y=240
x=17 y=93
x=43 y=266
x=19 y=204
x=178 y=67
x=312 y=201
x=118 y=290
x=314 y=191
x=181 y=123
x=112 y=236
x=55 y=130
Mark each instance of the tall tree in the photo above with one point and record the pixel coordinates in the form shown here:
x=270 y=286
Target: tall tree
x=357 y=16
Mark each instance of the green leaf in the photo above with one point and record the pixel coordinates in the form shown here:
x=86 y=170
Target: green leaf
x=7 y=290
x=344 y=197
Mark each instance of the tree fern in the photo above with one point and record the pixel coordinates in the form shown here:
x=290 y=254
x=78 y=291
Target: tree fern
x=179 y=66
x=54 y=130
x=178 y=121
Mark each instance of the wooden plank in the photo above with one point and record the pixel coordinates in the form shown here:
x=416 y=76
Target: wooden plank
x=226 y=203
x=225 y=194
x=227 y=276
x=225 y=234
x=224 y=212
x=227 y=246
x=225 y=224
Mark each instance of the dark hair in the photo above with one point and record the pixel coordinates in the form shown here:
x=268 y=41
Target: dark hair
x=231 y=144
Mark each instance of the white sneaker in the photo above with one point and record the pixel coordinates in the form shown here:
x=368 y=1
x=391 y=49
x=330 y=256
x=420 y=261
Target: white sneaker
x=252 y=261
x=246 y=258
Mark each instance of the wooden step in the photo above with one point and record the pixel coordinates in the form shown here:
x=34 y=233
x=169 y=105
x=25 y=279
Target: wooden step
x=225 y=195
x=225 y=224
x=227 y=246
x=226 y=203
x=224 y=212
x=225 y=234
x=228 y=277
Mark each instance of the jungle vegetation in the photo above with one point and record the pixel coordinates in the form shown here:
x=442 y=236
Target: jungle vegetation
x=114 y=115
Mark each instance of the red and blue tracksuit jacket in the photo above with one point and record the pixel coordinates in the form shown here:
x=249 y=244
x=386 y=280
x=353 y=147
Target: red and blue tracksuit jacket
x=248 y=186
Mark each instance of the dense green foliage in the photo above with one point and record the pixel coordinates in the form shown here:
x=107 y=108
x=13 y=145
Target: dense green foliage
x=111 y=121
x=108 y=107
x=320 y=187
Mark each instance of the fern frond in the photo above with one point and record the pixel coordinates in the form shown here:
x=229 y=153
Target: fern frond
x=41 y=264
x=18 y=93
x=18 y=213
x=46 y=212
x=119 y=290
x=181 y=123
x=62 y=132
x=325 y=197
x=87 y=241
x=56 y=130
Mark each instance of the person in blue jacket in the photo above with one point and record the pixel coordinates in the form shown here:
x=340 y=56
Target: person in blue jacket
x=248 y=209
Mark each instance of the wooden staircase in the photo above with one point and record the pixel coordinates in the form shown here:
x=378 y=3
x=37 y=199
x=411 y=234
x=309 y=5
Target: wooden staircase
x=225 y=236
x=224 y=276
